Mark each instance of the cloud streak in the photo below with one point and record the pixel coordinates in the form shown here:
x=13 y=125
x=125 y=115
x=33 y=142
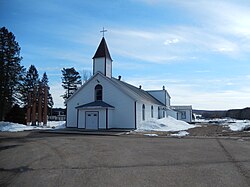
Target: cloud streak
x=219 y=94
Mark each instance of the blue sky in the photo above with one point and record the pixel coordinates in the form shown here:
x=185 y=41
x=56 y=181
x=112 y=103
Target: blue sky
x=200 y=50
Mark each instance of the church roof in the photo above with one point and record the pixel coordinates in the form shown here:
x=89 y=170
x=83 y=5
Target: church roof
x=102 y=50
x=96 y=104
x=132 y=91
x=136 y=91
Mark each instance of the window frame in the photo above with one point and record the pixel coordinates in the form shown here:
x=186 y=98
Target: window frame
x=98 y=92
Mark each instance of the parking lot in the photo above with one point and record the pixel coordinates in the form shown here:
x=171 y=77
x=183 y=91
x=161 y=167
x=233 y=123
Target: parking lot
x=46 y=159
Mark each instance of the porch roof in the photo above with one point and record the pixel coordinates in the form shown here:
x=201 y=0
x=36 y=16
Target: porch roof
x=99 y=104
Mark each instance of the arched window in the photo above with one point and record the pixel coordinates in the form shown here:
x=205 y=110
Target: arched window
x=159 y=113
x=152 y=111
x=98 y=92
x=143 y=112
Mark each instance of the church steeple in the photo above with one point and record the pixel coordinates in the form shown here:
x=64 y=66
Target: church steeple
x=102 y=50
x=102 y=61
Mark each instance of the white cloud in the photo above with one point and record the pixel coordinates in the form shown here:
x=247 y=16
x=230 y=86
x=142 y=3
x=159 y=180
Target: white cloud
x=171 y=41
x=196 y=93
x=221 y=27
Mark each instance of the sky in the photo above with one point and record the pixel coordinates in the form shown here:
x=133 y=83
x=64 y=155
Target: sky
x=198 y=49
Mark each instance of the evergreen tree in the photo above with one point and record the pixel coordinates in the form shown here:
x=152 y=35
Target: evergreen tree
x=45 y=82
x=71 y=80
x=11 y=71
x=31 y=82
x=32 y=78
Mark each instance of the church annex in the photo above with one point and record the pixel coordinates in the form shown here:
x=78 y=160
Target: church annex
x=105 y=102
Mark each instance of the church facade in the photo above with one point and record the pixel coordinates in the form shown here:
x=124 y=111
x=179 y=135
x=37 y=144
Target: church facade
x=105 y=102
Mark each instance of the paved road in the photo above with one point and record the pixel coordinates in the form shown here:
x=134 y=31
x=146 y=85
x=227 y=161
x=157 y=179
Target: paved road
x=39 y=159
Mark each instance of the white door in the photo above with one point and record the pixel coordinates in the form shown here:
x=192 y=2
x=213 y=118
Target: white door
x=92 y=120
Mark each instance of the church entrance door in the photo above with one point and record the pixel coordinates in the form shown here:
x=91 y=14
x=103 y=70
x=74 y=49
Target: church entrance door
x=92 y=119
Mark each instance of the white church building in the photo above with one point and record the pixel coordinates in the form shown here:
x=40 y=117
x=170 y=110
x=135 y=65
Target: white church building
x=105 y=102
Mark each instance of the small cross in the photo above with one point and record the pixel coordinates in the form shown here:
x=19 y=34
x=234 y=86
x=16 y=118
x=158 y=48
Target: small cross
x=103 y=31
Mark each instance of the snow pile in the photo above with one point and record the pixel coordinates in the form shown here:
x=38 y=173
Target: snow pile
x=233 y=124
x=56 y=124
x=164 y=124
x=15 y=127
x=150 y=134
x=181 y=134
x=237 y=125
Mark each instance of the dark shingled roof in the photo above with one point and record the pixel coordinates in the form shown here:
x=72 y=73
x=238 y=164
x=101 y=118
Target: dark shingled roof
x=102 y=50
x=143 y=94
x=96 y=104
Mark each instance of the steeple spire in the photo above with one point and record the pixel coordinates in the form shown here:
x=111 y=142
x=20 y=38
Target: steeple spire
x=102 y=61
x=102 y=50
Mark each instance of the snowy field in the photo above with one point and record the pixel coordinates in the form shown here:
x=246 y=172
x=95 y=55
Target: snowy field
x=233 y=124
x=15 y=127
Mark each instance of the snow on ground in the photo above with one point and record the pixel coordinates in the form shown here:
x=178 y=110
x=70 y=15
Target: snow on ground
x=56 y=124
x=238 y=125
x=180 y=134
x=15 y=127
x=164 y=124
x=233 y=124
x=150 y=134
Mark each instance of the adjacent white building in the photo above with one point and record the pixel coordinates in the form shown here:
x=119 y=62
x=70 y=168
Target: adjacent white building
x=105 y=102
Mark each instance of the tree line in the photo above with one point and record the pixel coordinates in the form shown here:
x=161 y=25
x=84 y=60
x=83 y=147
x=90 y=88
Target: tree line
x=16 y=82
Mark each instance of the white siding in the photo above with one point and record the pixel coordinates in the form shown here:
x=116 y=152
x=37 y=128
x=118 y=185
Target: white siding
x=187 y=110
x=108 y=68
x=147 y=111
x=81 y=119
x=99 y=65
x=110 y=117
x=167 y=100
x=123 y=114
x=188 y=115
x=102 y=119
x=159 y=95
x=84 y=96
x=172 y=113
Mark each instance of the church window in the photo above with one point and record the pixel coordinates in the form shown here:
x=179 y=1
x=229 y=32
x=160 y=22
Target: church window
x=143 y=112
x=159 y=114
x=98 y=92
x=152 y=111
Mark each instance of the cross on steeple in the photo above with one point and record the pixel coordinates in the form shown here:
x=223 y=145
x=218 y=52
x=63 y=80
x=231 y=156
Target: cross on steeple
x=103 y=30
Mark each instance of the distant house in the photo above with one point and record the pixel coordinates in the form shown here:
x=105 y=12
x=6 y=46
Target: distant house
x=105 y=102
x=184 y=113
x=57 y=114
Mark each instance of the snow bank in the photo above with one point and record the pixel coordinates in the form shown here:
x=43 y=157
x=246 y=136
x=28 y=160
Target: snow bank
x=15 y=127
x=150 y=134
x=180 y=134
x=233 y=124
x=238 y=125
x=56 y=124
x=164 y=124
